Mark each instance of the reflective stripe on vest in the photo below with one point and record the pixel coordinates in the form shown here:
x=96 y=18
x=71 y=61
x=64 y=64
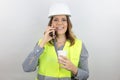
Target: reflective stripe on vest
x=48 y=60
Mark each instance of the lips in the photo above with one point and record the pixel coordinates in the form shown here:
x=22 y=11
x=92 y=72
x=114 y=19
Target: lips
x=60 y=28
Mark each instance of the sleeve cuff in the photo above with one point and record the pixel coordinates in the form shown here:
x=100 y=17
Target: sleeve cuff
x=81 y=75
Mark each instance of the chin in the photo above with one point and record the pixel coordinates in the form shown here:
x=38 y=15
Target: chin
x=60 y=33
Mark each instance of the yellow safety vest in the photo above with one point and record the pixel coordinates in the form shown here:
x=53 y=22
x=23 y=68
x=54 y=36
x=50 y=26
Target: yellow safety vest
x=48 y=60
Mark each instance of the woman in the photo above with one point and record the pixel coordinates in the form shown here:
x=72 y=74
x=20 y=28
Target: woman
x=58 y=36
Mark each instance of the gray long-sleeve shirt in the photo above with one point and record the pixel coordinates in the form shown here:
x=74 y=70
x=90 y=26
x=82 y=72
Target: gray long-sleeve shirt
x=31 y=62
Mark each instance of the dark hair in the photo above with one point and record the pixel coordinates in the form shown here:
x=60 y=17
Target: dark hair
x=69 y=34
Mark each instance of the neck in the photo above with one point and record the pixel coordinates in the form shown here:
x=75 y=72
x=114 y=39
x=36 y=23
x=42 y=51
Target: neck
x=61 y=38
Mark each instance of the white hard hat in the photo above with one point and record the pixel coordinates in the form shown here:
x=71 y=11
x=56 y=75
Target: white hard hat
x=59 y=9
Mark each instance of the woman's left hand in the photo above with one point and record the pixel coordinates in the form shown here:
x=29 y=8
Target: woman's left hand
x=67 y=64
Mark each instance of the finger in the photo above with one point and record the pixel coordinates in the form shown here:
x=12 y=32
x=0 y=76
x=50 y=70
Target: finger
x=49 y=28
x=63 y=66
x=49 y=31
x=62 y=63
x=64 y=57
x=61 y=60
x=52 y=30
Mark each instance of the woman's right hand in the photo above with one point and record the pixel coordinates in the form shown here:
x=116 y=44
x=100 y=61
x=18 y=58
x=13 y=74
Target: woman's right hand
x=47 y=37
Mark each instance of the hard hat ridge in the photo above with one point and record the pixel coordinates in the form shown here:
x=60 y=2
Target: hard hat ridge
x=59 y=9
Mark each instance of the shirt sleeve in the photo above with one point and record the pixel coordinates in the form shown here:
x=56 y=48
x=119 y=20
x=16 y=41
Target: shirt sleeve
x=31 y=61
x=83 y=72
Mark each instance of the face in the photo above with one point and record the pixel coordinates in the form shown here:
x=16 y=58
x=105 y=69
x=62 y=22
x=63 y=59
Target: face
x=59 y=22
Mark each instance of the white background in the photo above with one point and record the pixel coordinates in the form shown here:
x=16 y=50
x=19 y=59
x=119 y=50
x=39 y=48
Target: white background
x=96 y=22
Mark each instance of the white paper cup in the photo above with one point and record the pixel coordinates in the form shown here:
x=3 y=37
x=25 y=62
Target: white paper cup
x=61 y=52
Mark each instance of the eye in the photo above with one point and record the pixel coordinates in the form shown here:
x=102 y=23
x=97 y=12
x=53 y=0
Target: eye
x=55 y=20
x=64 y=20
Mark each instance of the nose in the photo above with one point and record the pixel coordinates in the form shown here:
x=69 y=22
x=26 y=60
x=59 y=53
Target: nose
x=60 y=22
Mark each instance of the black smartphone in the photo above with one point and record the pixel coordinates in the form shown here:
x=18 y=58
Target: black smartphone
x=51 y=33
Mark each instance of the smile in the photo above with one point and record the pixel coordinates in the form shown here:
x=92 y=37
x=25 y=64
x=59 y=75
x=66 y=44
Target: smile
x=60 y=28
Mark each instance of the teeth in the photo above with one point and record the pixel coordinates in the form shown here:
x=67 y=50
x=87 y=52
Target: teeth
x=60 y=27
